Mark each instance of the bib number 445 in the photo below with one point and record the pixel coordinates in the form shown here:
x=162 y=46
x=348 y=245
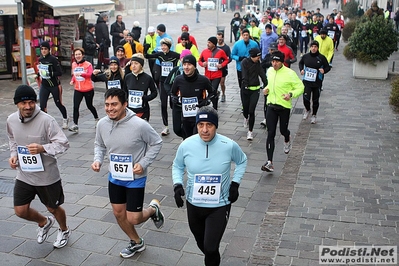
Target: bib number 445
x=208 y=190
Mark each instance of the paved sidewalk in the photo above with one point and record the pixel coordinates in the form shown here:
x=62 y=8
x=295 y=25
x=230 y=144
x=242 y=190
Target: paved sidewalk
x=338 y=185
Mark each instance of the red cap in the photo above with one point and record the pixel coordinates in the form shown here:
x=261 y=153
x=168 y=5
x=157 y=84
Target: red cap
x=184 y=28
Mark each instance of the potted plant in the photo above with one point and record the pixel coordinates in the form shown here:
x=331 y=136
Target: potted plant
x=370 y=46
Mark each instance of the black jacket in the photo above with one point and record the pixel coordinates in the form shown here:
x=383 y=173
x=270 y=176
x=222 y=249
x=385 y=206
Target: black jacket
x=137 y=33
x=89 y=44
x=251 y=72
x=116 y=29
x=141 y=82
x=102 y=32
x=314 y=61
x=49 y=70
x=114 y=76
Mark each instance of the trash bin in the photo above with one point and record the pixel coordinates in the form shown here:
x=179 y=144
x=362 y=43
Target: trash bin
x=220 y=29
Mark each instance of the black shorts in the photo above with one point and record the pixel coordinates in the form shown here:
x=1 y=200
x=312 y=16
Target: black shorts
x=225 y=72
x=51 y=196
x=133 y=197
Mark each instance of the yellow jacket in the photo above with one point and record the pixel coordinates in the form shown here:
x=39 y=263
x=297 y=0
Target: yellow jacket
x=326 y=47
x=194 y=50
x=279 y=23
x=152 y=41
x=129 y=51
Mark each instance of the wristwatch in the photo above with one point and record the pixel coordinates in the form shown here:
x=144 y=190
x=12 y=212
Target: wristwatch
x=290 y=94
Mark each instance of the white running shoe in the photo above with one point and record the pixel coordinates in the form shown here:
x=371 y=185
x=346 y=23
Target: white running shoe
x=268 y=167
x=62 y=238
x=245 y=122
x=42 y=232
x=165 y=131
x=263 y=123
x=65 y=123
x=250 y=135
x=287 y=146
x=305 y=115
x=313 y=119
x=74 y=129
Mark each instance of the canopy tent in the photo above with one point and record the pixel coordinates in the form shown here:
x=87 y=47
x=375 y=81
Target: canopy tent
x=75 y=7
x=8 y=7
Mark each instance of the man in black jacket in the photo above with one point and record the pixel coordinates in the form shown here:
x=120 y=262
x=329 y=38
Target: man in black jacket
x=102 y=33
x=117 y=32
x=89 y=44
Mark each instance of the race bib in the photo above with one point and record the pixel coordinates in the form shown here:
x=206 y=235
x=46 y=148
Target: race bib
x=189 y=106
x=315 y=34
x=310 y=74
x=213 y=64
x=121 y=166
x=135 y=99
x=43 y=71
x=29 y=162
x=114 y=84
x=304 y=33
x=207 y=189
x=331 y=34
x=79 y=70
x=166 y=68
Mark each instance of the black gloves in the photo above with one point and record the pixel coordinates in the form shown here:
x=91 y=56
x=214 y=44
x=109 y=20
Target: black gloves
x=241 y=58
x=233 y=192
x=202 y=103
x=175 y=99
x=179 y=193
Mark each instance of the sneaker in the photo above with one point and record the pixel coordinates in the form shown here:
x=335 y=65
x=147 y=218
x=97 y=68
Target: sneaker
x=62 y=238
x=74 y=128
x=301 y=54
x=268 y=167
x=223 y=99
x=250 y=135
x=305 y=115
x=263 y=123
x=96 y=122
x=165 y=131
x=42 y=232
x=245 y=122
x=157 y=217
x=65 y=123
x=313 y=119
x=133 y=247
x=287 y=146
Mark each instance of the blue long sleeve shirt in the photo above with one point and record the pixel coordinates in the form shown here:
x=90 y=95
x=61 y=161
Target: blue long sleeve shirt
x=198 y=157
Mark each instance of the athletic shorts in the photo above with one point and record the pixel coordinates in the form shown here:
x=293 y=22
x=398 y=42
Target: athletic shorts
x=224 y=72
x=51 y=196
x=133 y=197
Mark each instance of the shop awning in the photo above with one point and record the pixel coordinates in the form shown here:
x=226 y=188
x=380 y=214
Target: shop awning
x=9 y=7
x=74 y=7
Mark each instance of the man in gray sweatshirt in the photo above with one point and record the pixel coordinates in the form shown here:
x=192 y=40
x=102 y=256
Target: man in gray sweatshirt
x=131 y=145
x=35 y=138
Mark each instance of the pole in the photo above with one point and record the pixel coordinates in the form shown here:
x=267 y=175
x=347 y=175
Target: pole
x=147 y=14
x=21 y=41
x=217 y=12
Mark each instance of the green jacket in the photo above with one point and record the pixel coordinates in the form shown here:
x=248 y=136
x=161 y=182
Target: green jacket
x=280 y=82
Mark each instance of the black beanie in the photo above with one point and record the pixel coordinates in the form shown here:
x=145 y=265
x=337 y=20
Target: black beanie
x=190 y=59
x=213 y=40
x=24 y=93
x=185 y=36
x=137 y=58
x=161 y=28
x=254 y=52
x=45 y=44
x=204 y=116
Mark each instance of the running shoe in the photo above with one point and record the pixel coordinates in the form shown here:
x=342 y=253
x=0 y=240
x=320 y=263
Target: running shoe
x=305 y=115
x=268 y=167
x=42 y=232
x=96 y=122
x=165 y=131
x=313 y=119
x=157 y=217
x=223 y=99
x=250 y=135
x=245 y=122
x=263 y=123
x=133 y=247
x=65 y=123
x=287 y=146
x=62 y=238
x=74 y=129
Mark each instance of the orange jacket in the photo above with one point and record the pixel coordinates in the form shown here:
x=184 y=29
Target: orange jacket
x=81 y=76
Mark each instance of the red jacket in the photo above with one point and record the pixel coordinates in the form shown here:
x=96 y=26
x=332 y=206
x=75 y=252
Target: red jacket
x=82 y=82
x=222 y=62
x=288 y=54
